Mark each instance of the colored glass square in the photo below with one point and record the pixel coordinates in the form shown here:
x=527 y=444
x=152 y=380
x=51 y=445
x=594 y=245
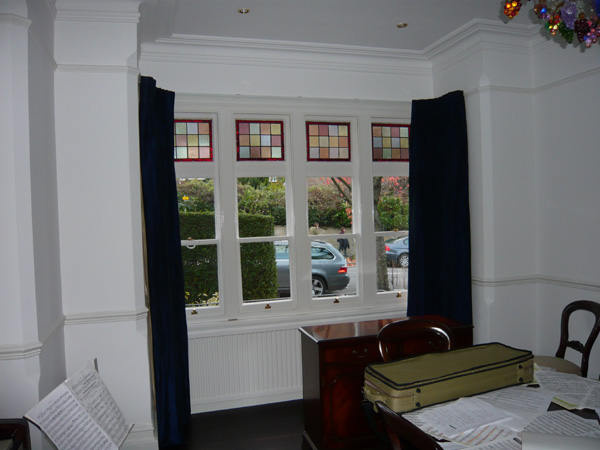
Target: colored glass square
x=255 y=140
x=244 y=128
x=204 y=152
x=192 y=140
x=192 y=128
x=180 y=128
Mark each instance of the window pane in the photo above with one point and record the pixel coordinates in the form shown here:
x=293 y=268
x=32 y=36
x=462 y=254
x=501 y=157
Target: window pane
x=261 y=206
x=195 y=197
x=328 y=141
x=193 y=140
x=260 y=140
x=329 y=204
x=196 y=200
x=389 y=142
x=392 y=262
x=332 y=274
x=390 y=197
x=264 y=267
x=200 y=272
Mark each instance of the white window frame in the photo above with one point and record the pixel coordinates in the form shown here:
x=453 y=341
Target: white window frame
x=225 y=169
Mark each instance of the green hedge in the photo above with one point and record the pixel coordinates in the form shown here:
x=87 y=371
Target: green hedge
x=200 y=268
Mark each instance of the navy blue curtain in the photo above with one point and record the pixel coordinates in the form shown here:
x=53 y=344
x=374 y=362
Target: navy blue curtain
x=164 y=264
x=439 y=278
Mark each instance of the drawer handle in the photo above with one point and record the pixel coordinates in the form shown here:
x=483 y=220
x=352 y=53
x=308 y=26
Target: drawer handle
x=358 y=354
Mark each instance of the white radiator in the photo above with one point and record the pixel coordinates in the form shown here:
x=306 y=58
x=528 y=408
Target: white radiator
x=245 y=369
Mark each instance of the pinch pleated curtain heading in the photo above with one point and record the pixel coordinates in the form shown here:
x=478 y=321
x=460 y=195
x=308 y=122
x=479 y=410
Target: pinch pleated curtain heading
x=164 y=267
x=439 y=279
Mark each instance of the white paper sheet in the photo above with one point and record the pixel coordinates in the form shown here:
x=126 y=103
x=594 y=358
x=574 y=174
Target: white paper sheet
x=564 y=423
x=66 y=423
x=81 y=414
x=542 y=441
x=462 y=415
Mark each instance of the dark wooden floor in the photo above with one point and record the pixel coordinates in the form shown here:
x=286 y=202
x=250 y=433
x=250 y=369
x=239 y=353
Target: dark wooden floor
x=276 y=426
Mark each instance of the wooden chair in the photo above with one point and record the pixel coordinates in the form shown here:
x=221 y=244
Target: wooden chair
x=413 y=336
x=558 y=362
x=408 y=337
x=403 y=434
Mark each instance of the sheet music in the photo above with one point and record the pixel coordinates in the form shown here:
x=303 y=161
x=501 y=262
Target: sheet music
x=522 y=398
x=484 y=435
x=81 y=414
x=570 y=390
x=564 y=423
x=66 y=423
x=93 y=394
x=559 y=382
x=505 y=444
x=541 y=441
x=462 y=415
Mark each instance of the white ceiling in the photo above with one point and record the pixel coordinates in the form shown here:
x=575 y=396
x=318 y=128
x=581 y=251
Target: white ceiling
x=354 y=23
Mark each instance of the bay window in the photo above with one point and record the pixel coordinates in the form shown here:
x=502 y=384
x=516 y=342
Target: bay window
x=291 y=207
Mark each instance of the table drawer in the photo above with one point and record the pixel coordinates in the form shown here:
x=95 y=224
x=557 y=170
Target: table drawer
x=358 y=354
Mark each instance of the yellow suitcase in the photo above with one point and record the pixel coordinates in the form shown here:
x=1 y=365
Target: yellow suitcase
x=419 y=381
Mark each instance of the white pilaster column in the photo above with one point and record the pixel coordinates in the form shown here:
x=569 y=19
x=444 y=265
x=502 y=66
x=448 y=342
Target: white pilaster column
x=99 y=202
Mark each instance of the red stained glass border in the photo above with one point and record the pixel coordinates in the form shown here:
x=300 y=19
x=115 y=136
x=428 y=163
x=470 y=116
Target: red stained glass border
x=252 y=151
x=210 y=139
x=326 y=124
x=403 y=152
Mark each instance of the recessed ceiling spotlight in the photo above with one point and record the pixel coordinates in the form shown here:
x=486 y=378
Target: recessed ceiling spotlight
x=243 y=10
x=402 y=25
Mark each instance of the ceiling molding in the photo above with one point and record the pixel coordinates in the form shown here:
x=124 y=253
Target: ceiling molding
x=265 y=53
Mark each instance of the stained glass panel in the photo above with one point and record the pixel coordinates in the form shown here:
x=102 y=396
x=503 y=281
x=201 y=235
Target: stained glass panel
x=259 y=140
x=390 y=141
x=193 y=140
x=328 y=141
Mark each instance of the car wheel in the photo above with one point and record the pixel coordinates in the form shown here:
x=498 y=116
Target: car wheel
x=403 y=260
x=318 y=286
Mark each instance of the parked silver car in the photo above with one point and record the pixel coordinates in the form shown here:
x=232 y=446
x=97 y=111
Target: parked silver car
x=396 y=252
x=329 y=268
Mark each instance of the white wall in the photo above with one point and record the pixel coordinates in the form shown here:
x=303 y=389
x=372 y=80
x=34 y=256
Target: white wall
x=568 y=214
x=32 y=348
x=533 y=182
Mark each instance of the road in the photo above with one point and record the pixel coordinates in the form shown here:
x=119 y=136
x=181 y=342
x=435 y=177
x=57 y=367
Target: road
x=397 y=278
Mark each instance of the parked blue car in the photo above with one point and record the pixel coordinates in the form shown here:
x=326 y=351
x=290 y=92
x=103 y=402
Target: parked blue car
x=396 y=252
x=329 y=268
